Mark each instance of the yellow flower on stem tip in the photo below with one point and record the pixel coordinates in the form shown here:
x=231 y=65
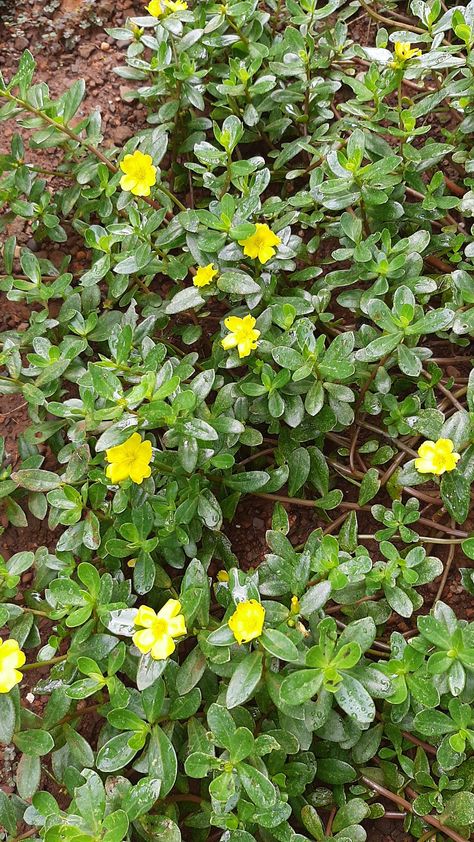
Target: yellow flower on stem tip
x=436 y=457
x=261 y=244
x=204 y=275
x=140 y=174
x=222 y=576
x=242 y=334
x=11 y=657
x=404 y=51
x=130 y=459
x=159 y=630
x=247 y=621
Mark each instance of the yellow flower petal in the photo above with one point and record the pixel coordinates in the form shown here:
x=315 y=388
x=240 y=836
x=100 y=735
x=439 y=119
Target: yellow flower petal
x=128 y=182
x=177 y=626
x=444 y=446
x=11 y=657
x=229 y=342
x=139 y=471
x=154 y=8
x=163 y=648
x=170 y=609
x=427 y=449
x=146 y=616
x=117 y=472
x=144 y=640
x=233 y=322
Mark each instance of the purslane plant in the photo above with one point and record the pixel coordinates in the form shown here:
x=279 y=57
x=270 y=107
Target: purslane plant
x=276 y=305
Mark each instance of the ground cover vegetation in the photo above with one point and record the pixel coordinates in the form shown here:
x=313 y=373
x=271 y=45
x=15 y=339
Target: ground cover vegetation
x=277 y=303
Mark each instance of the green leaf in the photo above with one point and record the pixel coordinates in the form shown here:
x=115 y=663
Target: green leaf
x=279 y=645
x=7 y=813
x=244 y=680
x=185 y=299
x=334 y=771
x=434 y=723
x=237 y=283
x=24 y=75
x=35 y=743
x=299 y=466
x=141 y=798
x=34 y=479
x=369 y=486
x=354 y=812
x=242 y=744
x=247 y=482
x=459 y=810
x=300 y=686
x=162 y=762
x=190 y=671
x=115 y=754
x=314 y=598
x=354 y=699
x=431 y=322
x=79 y=747
x=90 y=799
x=7 y=718
x=259 y=788
x=456 y=495
x=31 y=267
x=28 y=775
x=148 y=671
x=160 y=827
x=221 y=724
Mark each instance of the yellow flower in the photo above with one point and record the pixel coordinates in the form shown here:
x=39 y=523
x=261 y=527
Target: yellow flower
x=130 y=459
x=436 y=457
x=222 y=576
x=404 y=51
x=140 y=174
x=155 y=8
x=261 y=243
x=132 y=563
x=247 y=621
x=156 y=636
x=242 y=334
x=204 y=275
x=11 y=657
x=176 y=5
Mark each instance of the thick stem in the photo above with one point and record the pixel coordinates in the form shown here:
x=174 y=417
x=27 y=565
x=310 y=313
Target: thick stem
x=38 y=664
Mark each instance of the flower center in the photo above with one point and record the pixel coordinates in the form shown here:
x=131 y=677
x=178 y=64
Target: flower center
x=141 y=172
x=160 y=627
